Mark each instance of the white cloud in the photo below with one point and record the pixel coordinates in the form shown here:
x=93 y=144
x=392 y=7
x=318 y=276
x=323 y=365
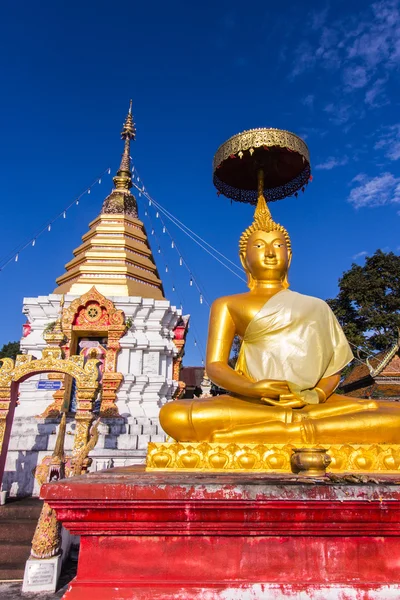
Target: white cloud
x=309 y=101
x=390 y=142
x=332 y=162
x=377 y=40
x=355 y=77
x=360 y=178
x=360 y=47
x=360 y=254
x=376 y=91
x=376 y=191
x=327 y=51
x=304 y=59
x=339 y=114
x=318 y=18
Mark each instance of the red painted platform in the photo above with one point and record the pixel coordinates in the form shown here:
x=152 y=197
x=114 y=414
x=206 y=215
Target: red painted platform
x=195 y=536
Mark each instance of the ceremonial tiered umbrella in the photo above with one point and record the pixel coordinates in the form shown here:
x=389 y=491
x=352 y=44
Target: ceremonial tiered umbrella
x=270 y=162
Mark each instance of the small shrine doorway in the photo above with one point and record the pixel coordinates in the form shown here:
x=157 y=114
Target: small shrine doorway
x=93 y=327
x=13 y=373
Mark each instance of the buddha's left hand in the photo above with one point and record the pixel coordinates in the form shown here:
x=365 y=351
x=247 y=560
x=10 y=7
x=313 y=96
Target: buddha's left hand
x=287 y=400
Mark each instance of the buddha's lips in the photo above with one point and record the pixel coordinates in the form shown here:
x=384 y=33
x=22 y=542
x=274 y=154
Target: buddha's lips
x=270 y=263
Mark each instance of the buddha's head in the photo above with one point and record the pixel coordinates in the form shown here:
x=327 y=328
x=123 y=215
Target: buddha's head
x=265 y=249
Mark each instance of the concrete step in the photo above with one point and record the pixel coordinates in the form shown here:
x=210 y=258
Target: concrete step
x=14 y=553
x=21 y=508
x=18 y=520
x=20 y=530
x=127 y=442
x=11 y=572
x=24 y=441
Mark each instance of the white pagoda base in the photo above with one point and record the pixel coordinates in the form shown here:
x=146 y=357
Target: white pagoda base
x=146 y=362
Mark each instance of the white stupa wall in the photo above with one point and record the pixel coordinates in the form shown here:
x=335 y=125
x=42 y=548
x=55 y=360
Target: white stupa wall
x=146 y=362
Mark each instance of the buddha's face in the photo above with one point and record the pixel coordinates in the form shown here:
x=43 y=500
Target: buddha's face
x=267 y=257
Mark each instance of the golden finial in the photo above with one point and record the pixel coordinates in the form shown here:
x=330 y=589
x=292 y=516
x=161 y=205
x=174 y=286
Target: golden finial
x=128 y=133
x=262 y=211
x=121 y=200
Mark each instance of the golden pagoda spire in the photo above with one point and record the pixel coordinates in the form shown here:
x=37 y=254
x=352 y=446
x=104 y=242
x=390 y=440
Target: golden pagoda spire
x=123 y=179
x=115 y=253
x=121 y=200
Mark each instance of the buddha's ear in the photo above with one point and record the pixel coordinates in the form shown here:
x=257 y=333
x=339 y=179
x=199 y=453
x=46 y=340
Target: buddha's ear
x=250 y=280
x=243 y=260
x=285 y=281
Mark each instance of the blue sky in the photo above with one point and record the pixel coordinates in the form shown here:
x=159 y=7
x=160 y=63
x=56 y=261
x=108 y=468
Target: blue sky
x=197 y=74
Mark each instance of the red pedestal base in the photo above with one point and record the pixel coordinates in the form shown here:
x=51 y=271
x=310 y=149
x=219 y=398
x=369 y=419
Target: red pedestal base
x=189 y=536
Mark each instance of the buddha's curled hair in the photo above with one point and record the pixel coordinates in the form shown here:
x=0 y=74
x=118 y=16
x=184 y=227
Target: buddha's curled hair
x=263 y=221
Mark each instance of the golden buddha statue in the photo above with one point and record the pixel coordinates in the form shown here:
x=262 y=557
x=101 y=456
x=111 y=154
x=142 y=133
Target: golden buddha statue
x=282 y=389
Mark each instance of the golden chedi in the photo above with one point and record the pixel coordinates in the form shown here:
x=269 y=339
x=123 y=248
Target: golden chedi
x=282 y=389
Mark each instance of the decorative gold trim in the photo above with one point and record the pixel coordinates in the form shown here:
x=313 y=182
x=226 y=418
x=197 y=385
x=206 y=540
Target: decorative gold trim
x=255 y=138
x=86 y=381
x=272 y=458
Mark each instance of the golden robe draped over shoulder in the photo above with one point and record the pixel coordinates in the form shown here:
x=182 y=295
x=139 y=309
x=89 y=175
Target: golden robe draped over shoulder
x=297 y=339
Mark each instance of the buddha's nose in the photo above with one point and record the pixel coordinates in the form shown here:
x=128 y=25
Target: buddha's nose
x=269 y=252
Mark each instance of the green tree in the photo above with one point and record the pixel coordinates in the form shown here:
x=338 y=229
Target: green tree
x=10 y=350
x=368 y=303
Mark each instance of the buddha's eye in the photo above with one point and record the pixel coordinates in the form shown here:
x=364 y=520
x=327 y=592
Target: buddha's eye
x=278 y=245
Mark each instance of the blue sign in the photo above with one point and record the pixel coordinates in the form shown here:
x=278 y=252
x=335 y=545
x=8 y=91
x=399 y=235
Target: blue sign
x=46 y=384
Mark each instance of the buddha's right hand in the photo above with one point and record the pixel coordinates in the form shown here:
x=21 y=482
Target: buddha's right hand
x=268 y=388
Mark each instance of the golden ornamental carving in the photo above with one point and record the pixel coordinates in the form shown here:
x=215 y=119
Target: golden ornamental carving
x=77 y=359
x=6 y=370
x=281 y=154
x=41 y=472
x=86 y=377
x=23 y=359
x=2 y=431
x=47 y=537
x=92 y=311
x=51 y=353
x=272 y=458
x=81 y=461
x=257 y=138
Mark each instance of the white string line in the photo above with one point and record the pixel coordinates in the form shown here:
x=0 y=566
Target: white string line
x=203 y=247
x=144 y=191
x=18 y=249
x=177 y=223
x=192 y=276
x=197 y=341
x=181 y=257
x=182 y=260
x=171 y=216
